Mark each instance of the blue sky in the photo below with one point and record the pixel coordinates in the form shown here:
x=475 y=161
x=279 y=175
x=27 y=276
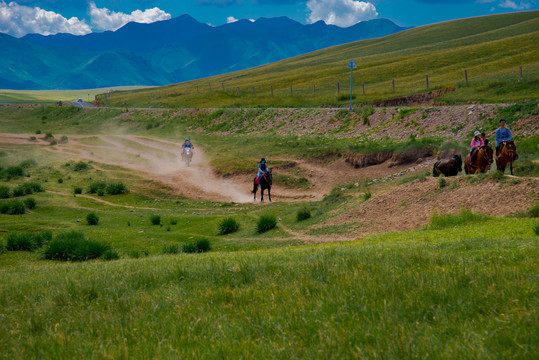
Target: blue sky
x=82 y=16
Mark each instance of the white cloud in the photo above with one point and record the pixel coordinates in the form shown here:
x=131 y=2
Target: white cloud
x=342 y=13
x=17 y=20
x=512 y=5
x=105 y=19
x=231 y=19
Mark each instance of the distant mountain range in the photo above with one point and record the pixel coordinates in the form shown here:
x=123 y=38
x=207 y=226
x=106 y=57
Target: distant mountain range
x=166 y=52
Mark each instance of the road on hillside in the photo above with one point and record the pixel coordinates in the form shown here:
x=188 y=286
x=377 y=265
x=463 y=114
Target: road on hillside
x=80 y=104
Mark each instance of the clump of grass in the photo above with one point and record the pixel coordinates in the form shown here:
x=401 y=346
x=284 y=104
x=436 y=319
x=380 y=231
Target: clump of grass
x=200 y=246
x=60 y=181
x=155 y=219
x=48 y=137
x=173 y=221
x=136 y=254
x=77 y=190
x=228 y=225
x=14 y=171
x=92 y=219
x=27 y=189
x=116 y=189
x=171 y=249
x=28 y=163
x=12 y=207
x=81 y=166
x=38 y=132
x=110 y=255
x=74 y=246
x=30 y=203
x=95 y=187
x=63 y=139
x=533 y=212
x=101 y=192
x=27 y=241
x=442 y=221
x=5 y=192
x=442 y=183
x=303 y=214
x=53 y=142
x=367 y=195
x=266 y=223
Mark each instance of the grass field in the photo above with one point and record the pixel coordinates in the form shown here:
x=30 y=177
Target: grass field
x=490 y=48
x=462 y=286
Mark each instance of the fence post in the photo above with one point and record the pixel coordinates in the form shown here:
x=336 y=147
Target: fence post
x=427 y=77
x=466 y=75
x=223 y=85
x=291 y=91
x=254 y=92
x=520 y=71
x=238 y=91
x=338 y=88
x=271 y=87
x=393 y=82
x=314 y=90
x=363 y=86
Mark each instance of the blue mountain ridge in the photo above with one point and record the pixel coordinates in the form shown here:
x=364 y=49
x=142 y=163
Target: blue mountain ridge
x=165 y=52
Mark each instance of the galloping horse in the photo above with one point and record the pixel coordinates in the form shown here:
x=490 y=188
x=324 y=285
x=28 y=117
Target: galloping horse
x=483 y=160
x=449 y=167
x=265 y=183
x=508 y=154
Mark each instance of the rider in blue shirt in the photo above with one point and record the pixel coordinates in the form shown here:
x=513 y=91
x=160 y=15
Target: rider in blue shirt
x=262 y=169
x=187 y=144
x=502 y=134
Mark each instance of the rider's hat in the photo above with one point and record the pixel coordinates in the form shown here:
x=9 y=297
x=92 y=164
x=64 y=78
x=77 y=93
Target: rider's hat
x=262 y=160
x=476 y=133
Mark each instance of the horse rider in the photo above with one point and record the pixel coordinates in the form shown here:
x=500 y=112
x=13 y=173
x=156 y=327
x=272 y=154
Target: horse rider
x=476 y=143
x=187 y=144
x=262 y=169
x=502 y=134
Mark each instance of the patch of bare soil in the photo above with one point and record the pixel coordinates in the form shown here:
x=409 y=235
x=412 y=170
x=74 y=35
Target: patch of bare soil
x=414 y=100
x=409 y=206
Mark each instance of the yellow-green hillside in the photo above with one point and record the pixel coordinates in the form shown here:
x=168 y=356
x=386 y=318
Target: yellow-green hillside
x=490 y=48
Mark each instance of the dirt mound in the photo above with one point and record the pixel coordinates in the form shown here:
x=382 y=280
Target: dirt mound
x=364 y=160
x=409 y=206
x=414 y=100
x=410 y=156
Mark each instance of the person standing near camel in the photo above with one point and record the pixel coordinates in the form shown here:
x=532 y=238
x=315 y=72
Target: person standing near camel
x=502 y=134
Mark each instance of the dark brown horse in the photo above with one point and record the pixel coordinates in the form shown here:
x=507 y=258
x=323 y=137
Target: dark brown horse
x=265 y=183
x=483 y=161
x=446 y=167
x=508 y=154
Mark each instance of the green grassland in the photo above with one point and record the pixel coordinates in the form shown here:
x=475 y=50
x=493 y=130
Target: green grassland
x=463 y=287
x=490 y=48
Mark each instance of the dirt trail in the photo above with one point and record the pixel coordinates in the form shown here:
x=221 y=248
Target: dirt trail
x=105 y=202
x=156 y=159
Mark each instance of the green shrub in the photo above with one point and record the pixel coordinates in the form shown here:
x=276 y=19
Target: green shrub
x=48 y=136
x=171 y=249
x=53 y=142
x=116 y=189
x=136 y=254
x=303 y=214
x=227 y=226
x=442 y=183
x=95 y=187
x=110 y=255
x=367 y=195
x=27 y=241
x=28 y=163
x=63 y=139
x=12 y=207
x=30 y=203
x=77 y=190
x=442 y=221
x=60 y=181
x=81 y=166
x=4 y=192
x=100 y=192
x=266 y=223
x=535 y=228
x=173 y=221
x=27 y=189
x=15 y=171
x=18 y=191
x=74 y=246
x=199 y=246
x=155 y=219
x=92 y=219
x=38 y=132
x=533 y=212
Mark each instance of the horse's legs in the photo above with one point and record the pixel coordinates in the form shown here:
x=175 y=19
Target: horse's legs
x=262 y=195
x=511 y=167
x=269 y=194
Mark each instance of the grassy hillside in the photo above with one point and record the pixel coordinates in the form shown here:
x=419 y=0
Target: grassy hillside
x=490 y=48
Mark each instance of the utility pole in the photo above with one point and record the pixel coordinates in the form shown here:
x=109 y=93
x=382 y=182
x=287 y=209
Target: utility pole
x=351 y=66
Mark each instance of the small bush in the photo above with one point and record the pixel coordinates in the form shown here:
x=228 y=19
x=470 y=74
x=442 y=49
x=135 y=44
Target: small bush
x=266 y=223
x=101 y=192
x=74 y=246
x=116 y=189
x=53 y=142
x=367 y=195
x=4 y=192
x=95 y=187
x=173 y=221
x=27 y=241
x=48 y=136
x=110 y=255
x=15 y=171
x=12 y=207
x=171 y=249
x=38 y=132
x=535 y=228
x=60 y=181
x=228 y=226
x=33 y=138
x=199 y=246
x=32 y=187
x=77 y=190
x=155 y=219
x=442 y=183
x=18 y=191
x=136 y=254
x=533 y=212
x=92 y=219
x=442 y=221
x=63 y=139
x=81 y=166
x=30 y=203
x=28 y=163
x=303 y=214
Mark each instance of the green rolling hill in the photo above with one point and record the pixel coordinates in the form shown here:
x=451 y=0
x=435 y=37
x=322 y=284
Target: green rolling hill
x=490 y=48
